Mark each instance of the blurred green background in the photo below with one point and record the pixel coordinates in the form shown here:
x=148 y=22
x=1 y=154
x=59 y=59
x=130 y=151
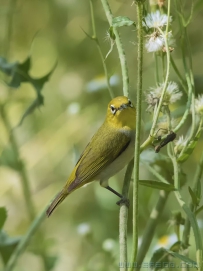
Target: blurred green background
x=83 y=232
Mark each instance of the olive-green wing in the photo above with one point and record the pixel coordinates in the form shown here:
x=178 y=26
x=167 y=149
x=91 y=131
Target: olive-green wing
x=106 y=145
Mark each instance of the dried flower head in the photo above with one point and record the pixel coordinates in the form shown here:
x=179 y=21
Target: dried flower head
x=156 y=42
x=172 y=94
x=156 y=19
x=199 y=105
x=162 y=126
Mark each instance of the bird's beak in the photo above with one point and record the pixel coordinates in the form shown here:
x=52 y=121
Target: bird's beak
x=123 y=106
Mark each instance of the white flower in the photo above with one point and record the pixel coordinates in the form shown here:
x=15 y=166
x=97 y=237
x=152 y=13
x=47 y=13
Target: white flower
x=156 y=42
x=166 y=241
x=156 y=19
x=109 y=245
x=199 y=105
x=84 y=229
x=172 y=94
x=73 y=108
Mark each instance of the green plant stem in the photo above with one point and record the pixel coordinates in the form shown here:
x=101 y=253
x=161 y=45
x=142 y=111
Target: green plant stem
x=119 y=45
x=186 y=231
x=157 y=111
x=151 y=226
x=9 y=25
x=25 y=240
x=94 y=37
x=123 y=218
x=157 y=69
x=22 y=172
x=189 y=213
x=139 y=5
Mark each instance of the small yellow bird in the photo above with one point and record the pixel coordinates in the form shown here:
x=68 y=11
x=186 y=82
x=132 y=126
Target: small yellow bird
x=109 y=151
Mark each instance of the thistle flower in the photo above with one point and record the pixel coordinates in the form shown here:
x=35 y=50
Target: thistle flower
x=172 y=94
x=199 y=105
x=156 y=42
x=156 y=19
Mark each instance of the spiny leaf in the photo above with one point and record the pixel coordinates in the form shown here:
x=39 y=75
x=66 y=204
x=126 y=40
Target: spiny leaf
x=122 y=21
x=157 y=185
x=7 y=246
x=3 y=216
x=19 y=73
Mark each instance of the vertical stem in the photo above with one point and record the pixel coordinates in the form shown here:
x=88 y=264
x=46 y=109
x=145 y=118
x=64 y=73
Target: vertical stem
x=25 y=241
x=22 y=171
x=119 y=45
x=151 y=226
x=189 y=213
x=138 y=131
x=123 y=219
x=94 y=37
x=198 y=174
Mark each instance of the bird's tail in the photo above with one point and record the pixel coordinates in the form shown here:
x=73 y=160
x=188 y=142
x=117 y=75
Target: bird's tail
x=58 y=199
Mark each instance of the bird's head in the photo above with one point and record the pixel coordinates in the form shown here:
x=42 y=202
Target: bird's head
x=121 y=112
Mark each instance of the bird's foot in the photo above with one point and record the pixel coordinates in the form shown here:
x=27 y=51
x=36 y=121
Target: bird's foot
x=123 y=201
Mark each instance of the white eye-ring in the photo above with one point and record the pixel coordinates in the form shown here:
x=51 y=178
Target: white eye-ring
x=113 y=109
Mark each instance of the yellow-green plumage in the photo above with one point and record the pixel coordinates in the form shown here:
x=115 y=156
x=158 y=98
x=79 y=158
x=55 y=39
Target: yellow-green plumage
x=109 y=150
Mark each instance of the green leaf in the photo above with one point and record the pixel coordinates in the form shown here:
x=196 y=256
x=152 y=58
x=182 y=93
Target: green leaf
x=159 y=259
x=176 y=246
x=19 y=73
x=157 y=185
x=122 y=21
x=185 y=259
x=3 y=216
x=8 y=158
x=111 y=33
x=195 y=200
x=199 y=210
x=51 y=262
x=7 y=246
x=192 y=144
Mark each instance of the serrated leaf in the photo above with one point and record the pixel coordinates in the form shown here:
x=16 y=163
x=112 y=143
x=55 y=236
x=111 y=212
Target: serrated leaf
x=19 y=73
x=7 y=246
x=157 y=185
x=195 y=200
x=8 y=158
x=159 y=259
x=122 y=21
x=3 y=216
x=185 y=259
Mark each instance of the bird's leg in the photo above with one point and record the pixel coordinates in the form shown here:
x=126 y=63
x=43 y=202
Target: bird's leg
x=114 y=191
x=122 y=200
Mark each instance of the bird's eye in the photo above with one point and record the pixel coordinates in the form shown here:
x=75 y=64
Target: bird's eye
x=113 y=109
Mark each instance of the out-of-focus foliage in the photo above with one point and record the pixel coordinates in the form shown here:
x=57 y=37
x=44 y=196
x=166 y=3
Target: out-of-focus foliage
x=52 y=137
